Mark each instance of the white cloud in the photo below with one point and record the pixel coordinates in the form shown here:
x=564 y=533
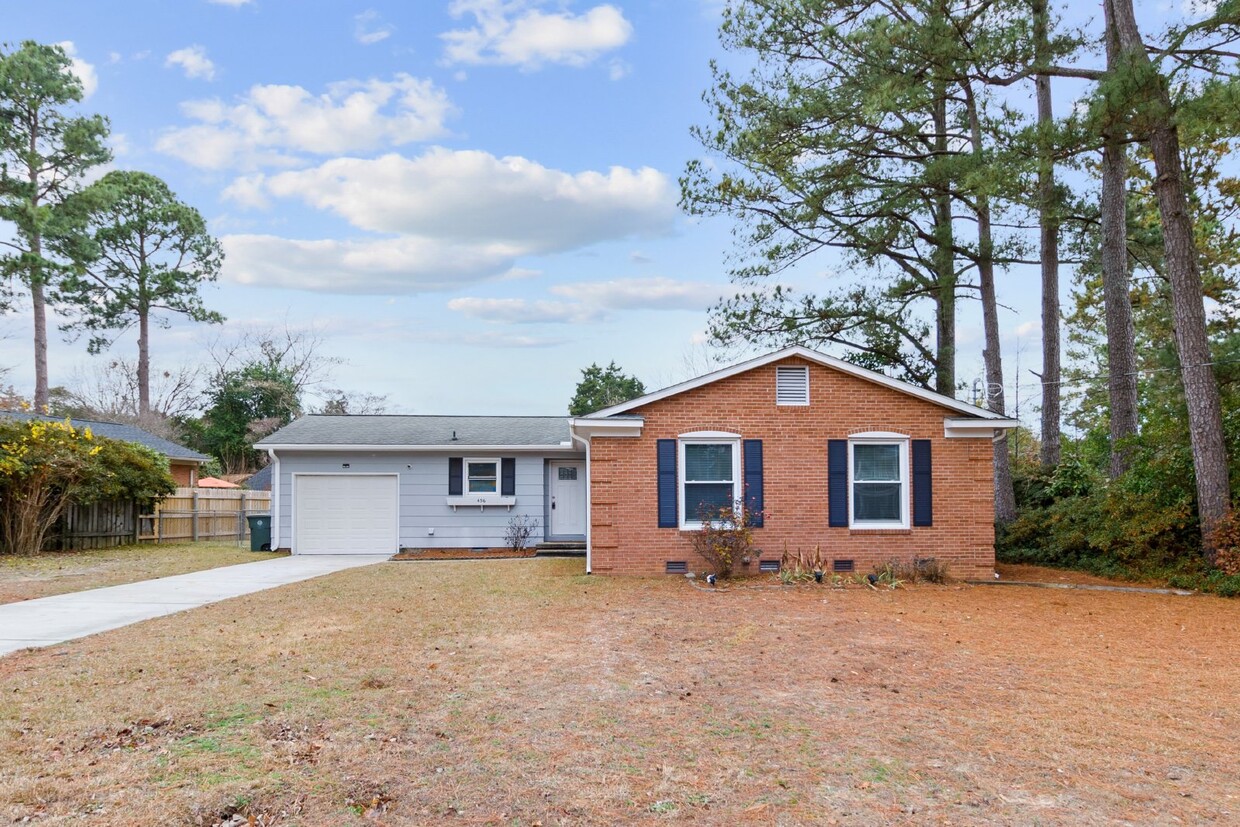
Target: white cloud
x=248 y=191
x=271 y=121
x=193 y=61
x=498 y=339
x=368 y=29
x=517 y=33
x=1198 y=9
x=642 y=294
x=85 y=71
x=520 y=274
x=591 y=301
x=380 y=266
x=618 y=69
x=118 y=142
x=521 y=311
x=470 y=195
x=450 y=218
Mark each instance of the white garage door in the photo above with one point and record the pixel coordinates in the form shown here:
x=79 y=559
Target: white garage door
x=344 y=514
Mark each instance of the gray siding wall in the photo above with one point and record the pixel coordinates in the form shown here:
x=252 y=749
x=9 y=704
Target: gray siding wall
x=423 y=489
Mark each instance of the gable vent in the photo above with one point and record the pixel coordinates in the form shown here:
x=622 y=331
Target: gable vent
x=677 y=567
x=792 y=386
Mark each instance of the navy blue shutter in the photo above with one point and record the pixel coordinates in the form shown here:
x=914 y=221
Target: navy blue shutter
x=837 y=483
x=666 y=457
x=753 y=480
x=455 y=471
x=508 y=477
x=923 y=499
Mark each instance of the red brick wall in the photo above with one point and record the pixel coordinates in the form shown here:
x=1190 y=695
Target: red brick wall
x=625 y=535
x=183 y=473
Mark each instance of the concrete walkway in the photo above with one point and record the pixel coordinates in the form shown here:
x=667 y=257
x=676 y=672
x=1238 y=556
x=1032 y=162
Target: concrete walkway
x=50 y=620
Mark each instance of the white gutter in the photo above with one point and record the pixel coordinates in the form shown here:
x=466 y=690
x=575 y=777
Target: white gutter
x=589 y=498
x=977 y=428
x=454 y=446
x=275 y=498
x=629 y=426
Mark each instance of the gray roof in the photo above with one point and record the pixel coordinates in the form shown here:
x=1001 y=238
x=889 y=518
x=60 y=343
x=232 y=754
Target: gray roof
x=260 y=480
x=119 y=431
x=506 y=431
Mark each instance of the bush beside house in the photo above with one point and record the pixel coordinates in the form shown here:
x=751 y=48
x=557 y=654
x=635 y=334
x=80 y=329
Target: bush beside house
x=46 y=466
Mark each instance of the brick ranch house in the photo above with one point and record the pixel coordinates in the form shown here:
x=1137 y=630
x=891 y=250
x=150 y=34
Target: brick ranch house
x=864 y=467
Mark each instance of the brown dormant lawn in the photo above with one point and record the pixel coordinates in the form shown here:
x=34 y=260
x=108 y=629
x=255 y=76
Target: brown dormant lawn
x=523 y=692
x=58 y=572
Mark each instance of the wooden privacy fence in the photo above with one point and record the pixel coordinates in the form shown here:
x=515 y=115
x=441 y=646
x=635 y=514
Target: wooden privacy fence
x=203 y=514
x=97 y=525
x=189 y=514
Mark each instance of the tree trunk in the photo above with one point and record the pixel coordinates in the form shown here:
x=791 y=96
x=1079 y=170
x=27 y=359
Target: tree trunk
x=1205 y=421
x=1005 y=496
x=945 y=269
x=144 y=363
x=1048 y=221
x=1121 y=339
x=38 y=301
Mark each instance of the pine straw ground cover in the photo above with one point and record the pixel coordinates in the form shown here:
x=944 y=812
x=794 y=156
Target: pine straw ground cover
x=523 y=692
x=58 y=572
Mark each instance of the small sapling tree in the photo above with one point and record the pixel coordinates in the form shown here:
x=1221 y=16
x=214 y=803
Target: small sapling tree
x=726 y=536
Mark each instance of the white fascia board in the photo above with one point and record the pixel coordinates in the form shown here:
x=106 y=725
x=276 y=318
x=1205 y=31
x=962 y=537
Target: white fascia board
x=585 y=428
x=810 y=356
x=976 y=428
x=452 y=447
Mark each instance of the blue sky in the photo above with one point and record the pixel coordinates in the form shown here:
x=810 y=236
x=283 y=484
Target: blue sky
x=471 y=200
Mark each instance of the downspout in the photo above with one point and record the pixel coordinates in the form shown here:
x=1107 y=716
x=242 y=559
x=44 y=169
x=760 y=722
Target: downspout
x=585 y=442
x=275 y=498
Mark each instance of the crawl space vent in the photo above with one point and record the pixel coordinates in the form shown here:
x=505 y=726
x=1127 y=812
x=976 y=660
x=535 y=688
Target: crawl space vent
x=768 y=565
x=842 y=565
x=677 y=567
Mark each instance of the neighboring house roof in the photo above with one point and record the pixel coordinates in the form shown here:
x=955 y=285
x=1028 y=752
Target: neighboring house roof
x=818 y=358
x=215 y=482
x=121 y=432
x=448 y=432
x=260 y=480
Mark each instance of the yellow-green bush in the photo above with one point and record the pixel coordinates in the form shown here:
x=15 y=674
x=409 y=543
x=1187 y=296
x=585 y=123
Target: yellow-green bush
x=45 y=466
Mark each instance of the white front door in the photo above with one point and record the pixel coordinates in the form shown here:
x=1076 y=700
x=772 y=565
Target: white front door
x=568 y=498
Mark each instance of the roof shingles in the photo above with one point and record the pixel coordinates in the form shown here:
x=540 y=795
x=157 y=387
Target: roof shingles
x=119 y=431
x=396 y=430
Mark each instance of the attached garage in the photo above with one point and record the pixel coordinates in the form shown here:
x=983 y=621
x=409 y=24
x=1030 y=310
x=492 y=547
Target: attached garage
x=345 y=513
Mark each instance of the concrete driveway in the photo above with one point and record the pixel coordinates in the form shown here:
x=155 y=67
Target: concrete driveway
x=50 y=620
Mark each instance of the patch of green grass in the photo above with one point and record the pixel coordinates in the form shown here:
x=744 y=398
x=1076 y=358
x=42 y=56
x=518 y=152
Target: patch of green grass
x=894 y=772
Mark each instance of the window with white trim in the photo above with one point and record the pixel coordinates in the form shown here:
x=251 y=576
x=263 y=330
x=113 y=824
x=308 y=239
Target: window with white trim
x=879 y=478
x=481 y=476
x=709 y=471
x=792 y=386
